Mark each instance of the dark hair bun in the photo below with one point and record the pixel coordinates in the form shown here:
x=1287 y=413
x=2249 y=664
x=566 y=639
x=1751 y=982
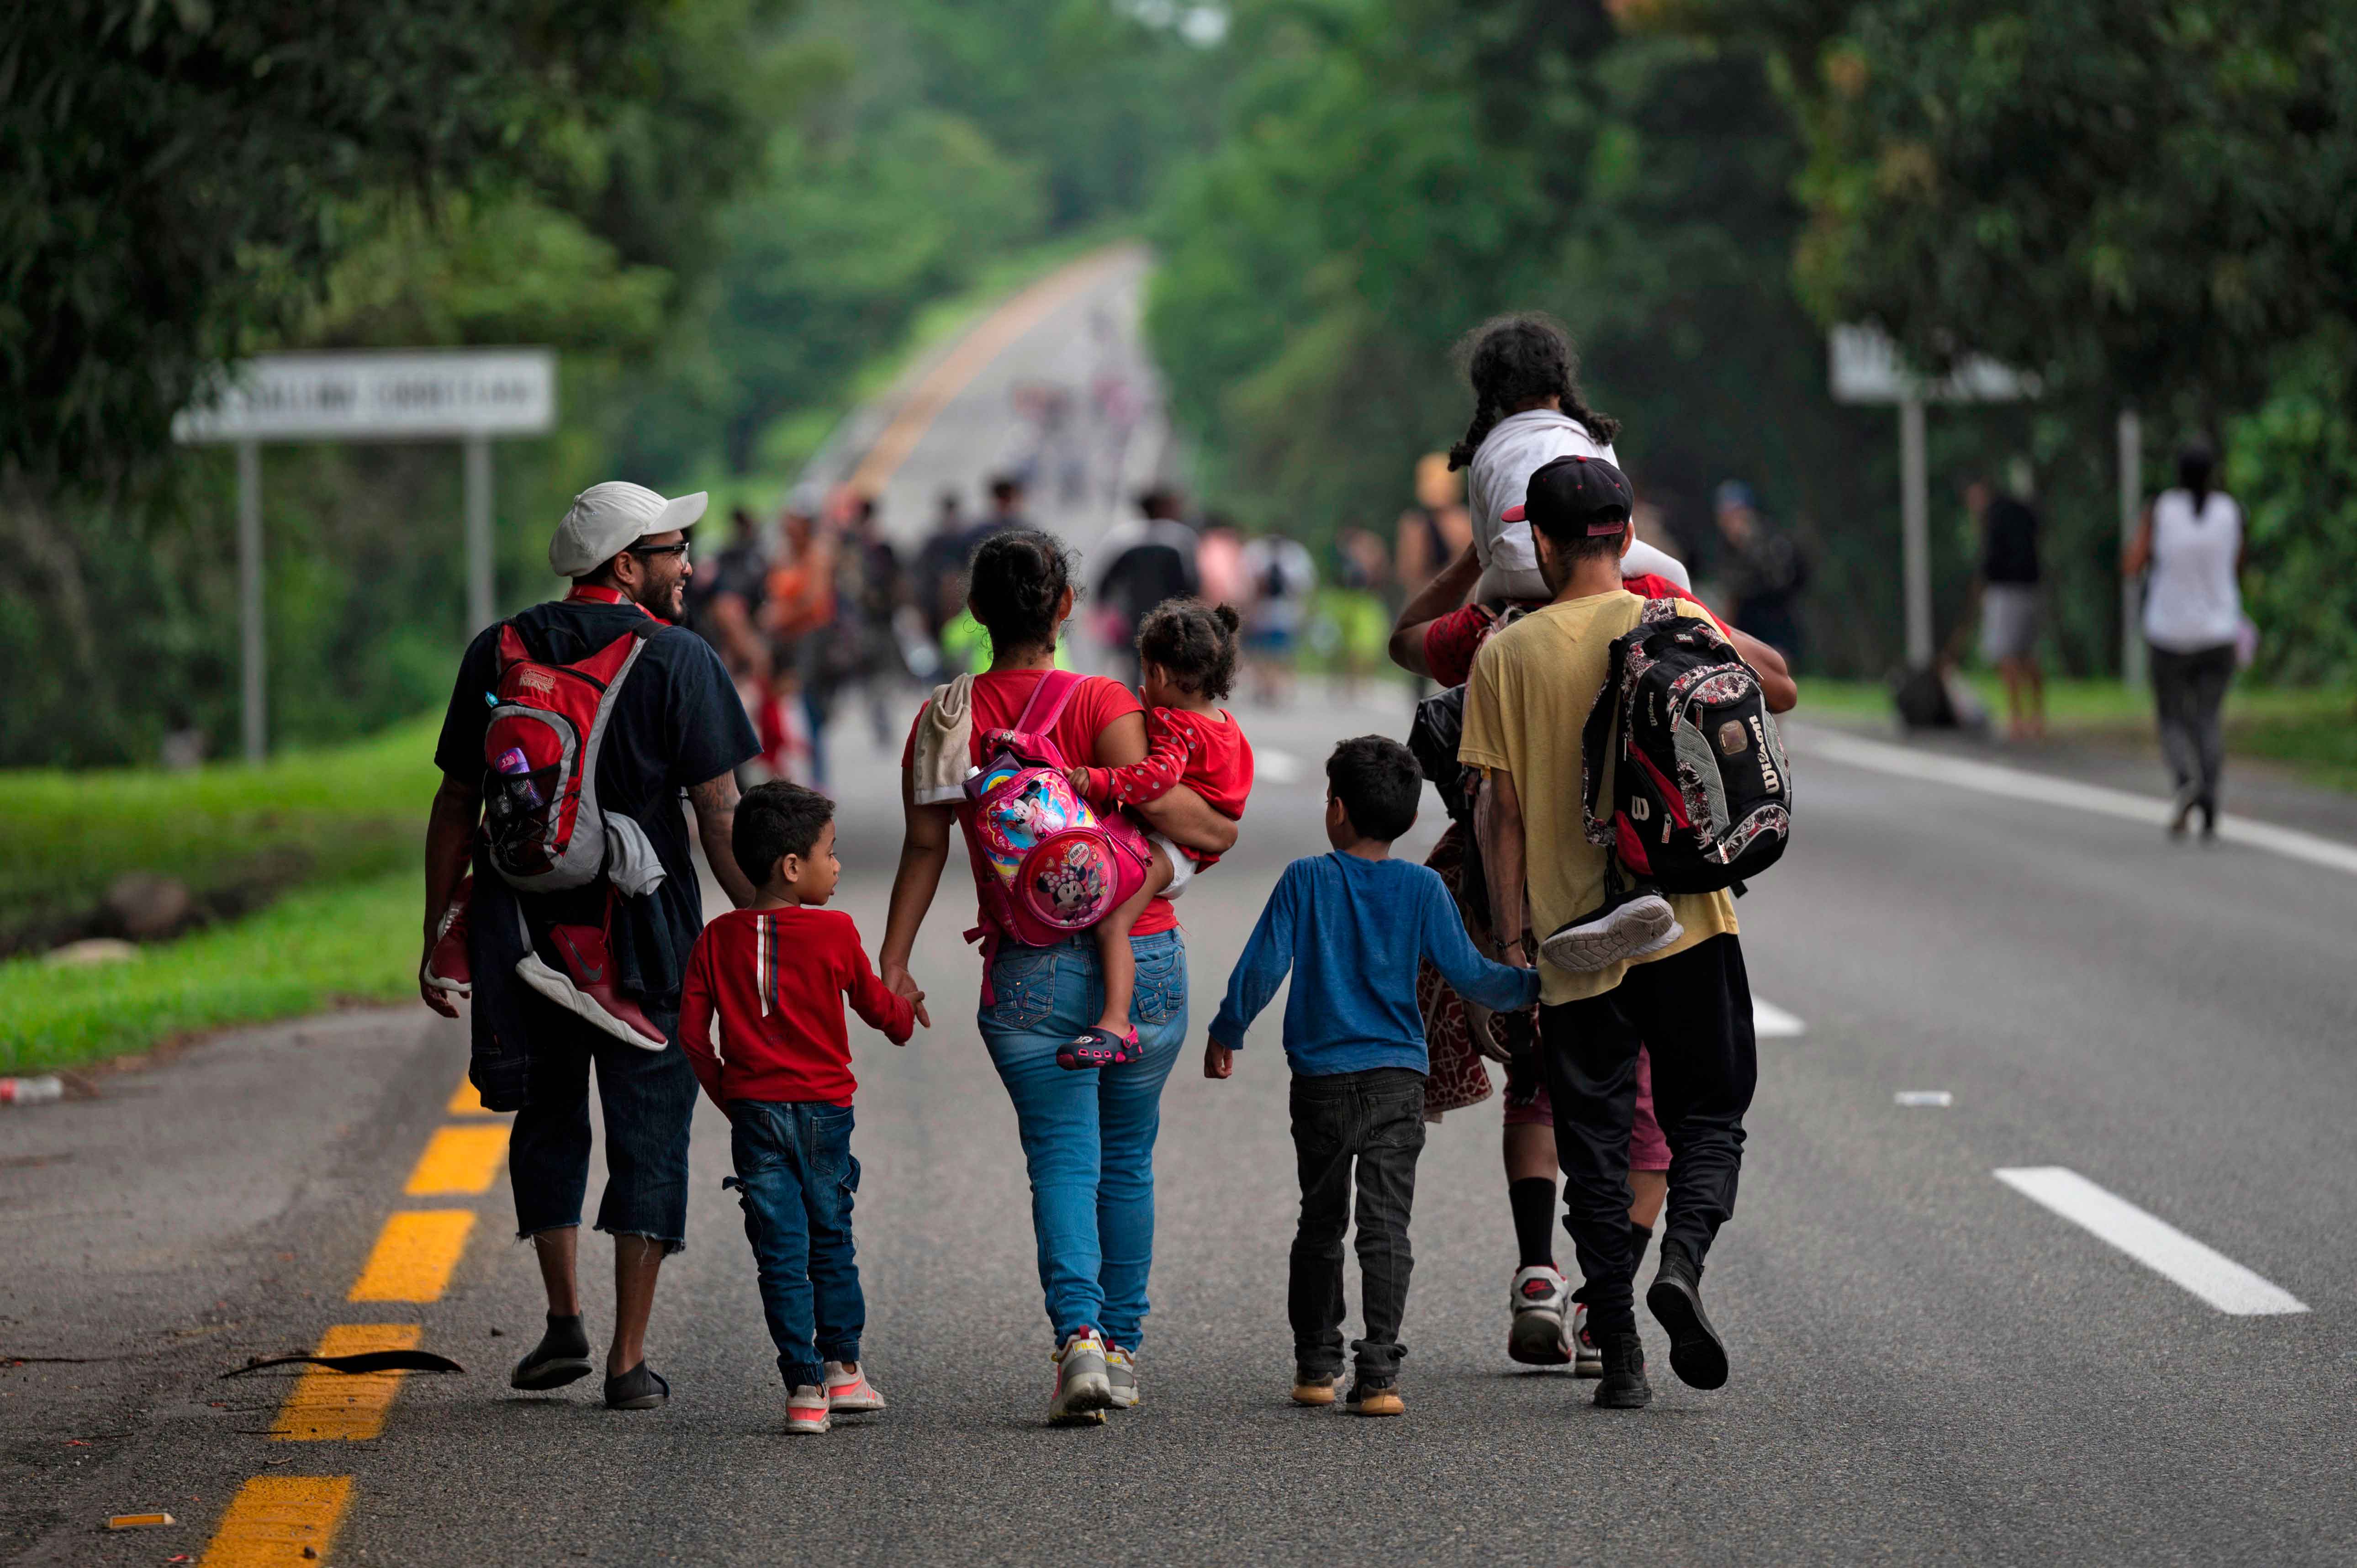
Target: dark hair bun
x=1016 y=584
x=1226 y=616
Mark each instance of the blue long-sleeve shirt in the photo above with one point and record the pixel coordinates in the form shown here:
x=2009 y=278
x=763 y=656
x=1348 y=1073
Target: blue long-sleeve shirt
x=1352 y=930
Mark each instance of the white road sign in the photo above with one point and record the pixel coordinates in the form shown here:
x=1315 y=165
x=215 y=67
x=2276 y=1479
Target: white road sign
x=1867 y=369
x=390 y=394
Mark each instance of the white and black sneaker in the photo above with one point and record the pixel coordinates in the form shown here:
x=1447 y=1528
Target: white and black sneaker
x=1537 y=1338
x=1628 y=924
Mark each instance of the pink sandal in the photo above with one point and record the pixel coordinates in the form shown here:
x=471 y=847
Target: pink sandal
x=1094 y=1047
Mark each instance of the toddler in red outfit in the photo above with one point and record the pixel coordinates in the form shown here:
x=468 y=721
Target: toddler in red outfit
x=1187 y=651
x=773 y=977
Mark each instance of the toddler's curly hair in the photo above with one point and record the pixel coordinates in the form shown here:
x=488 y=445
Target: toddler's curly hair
x=1194 y=641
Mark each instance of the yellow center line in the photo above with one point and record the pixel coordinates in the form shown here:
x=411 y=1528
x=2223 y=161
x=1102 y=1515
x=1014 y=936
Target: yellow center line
x=324 y=1406
x=466 y=1100
x=273 y=1517
x=459 y=1159
x=413 y=1255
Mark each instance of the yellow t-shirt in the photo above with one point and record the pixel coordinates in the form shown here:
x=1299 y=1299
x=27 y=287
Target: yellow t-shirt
x=1528 y=700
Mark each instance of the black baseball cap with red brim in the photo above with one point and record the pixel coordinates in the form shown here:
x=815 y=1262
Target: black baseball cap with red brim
x=1576 y=494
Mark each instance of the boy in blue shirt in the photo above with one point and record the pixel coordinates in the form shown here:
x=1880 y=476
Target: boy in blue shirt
x=1352 y=926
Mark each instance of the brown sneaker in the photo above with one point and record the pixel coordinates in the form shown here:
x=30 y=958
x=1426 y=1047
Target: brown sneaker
x=1376 y=1399
x=1316 y=1389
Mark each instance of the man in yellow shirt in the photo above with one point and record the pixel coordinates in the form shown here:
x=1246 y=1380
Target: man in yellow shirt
x=1686 y=996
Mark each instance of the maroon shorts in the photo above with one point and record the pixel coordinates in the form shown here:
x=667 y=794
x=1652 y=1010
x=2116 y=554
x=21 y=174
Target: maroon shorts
x=1648 y=1150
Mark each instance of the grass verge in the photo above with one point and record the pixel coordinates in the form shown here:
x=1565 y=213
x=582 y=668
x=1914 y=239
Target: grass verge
x=348 y=813
x=314 y=949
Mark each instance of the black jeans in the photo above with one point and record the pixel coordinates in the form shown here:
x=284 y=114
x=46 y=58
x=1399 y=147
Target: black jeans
x=2188 y=691
x=1693 y=1011
x=647 y=1098
x=1373 y=1120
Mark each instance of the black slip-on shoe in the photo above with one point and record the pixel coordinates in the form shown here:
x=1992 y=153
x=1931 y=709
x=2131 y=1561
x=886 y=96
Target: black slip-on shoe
x=640 y=1387
x=1697 y=1354
x=1622 y=1385
x=561 y=1357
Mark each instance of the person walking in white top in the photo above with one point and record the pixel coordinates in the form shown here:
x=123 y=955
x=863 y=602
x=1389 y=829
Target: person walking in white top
x=2191 y=544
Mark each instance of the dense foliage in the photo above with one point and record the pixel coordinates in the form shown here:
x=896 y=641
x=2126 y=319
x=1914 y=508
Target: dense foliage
x=2146 y=205
x=718 y=210
x=1393 y=172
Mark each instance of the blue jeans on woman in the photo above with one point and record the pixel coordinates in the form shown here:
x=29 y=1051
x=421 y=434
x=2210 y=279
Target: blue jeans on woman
x=1088 y=1136
x=795 y=1176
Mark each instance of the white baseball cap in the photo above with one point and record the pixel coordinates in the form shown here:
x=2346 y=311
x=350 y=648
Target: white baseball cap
x=606 y=520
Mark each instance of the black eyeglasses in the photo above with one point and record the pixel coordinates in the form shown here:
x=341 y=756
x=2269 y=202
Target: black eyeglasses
x=644 y=550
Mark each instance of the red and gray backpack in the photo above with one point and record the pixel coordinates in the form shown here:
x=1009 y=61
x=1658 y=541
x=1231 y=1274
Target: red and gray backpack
x=1702 y=793
x=541 y=818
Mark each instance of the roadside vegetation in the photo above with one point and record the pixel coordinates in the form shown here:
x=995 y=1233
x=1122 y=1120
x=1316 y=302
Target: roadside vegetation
x=318 y=948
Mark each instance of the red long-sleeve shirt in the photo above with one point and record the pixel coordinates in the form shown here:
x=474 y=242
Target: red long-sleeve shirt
x=1206 y=752
x=776 y=980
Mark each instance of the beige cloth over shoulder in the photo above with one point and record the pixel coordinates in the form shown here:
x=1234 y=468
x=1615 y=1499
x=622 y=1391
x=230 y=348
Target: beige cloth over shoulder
x=944 y=745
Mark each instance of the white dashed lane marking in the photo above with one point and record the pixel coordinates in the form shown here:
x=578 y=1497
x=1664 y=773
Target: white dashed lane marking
x=2154 y=1242
x=1769 y=1021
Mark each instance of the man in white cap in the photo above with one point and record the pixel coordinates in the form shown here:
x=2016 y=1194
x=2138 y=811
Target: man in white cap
x=583 y=975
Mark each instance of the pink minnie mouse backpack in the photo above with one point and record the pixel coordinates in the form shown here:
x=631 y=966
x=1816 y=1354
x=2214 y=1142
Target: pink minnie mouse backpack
x=1056 y=868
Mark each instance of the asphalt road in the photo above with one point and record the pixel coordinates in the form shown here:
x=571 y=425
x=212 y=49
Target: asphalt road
x=1929 y=1366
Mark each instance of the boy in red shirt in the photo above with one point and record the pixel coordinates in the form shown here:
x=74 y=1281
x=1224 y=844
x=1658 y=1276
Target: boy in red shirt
x=773 y=976
x=1188 y=651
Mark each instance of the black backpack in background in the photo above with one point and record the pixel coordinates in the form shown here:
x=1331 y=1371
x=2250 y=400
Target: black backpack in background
x=1701 y=792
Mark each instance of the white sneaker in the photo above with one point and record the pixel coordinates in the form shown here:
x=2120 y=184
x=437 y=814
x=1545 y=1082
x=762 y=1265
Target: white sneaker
x=1083 y=1392
x=1121 y=1375
x=806 y=1409
x=1587 y=1355
x=1635 y=920
x=1538 y=1297
x=849 y=1390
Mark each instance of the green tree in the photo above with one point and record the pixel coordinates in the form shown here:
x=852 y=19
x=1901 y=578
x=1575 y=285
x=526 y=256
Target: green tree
x=2144 y=201
x=1393 y=172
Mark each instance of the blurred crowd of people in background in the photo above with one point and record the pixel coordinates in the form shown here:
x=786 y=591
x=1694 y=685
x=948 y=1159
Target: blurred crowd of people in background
x=820 y=610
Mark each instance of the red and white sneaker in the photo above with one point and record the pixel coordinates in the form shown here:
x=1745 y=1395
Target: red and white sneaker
x=806 y=1409
x=584 y=987
x=1587 y=1355
x=1537 y=1338
x=447 y=968
x=849 y=1390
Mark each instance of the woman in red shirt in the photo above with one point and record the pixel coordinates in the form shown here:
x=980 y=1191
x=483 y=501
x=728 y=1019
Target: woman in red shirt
x=1088 y=1137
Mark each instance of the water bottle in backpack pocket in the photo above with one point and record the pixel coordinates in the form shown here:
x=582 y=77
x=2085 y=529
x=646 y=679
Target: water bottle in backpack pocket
x=541 y=818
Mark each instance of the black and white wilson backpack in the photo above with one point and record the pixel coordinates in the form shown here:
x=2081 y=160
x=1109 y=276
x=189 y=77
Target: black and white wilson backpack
x=1702 y=794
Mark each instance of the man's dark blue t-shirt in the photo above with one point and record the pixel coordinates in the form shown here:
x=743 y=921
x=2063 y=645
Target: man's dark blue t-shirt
x=677 y=723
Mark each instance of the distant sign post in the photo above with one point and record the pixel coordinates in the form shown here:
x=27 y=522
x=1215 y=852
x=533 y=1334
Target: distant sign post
x=1866 y=368
x=468 y=395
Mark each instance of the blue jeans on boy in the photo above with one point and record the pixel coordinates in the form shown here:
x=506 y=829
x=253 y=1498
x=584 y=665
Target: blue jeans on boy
x=1088 y=1136
x=795 y=1176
